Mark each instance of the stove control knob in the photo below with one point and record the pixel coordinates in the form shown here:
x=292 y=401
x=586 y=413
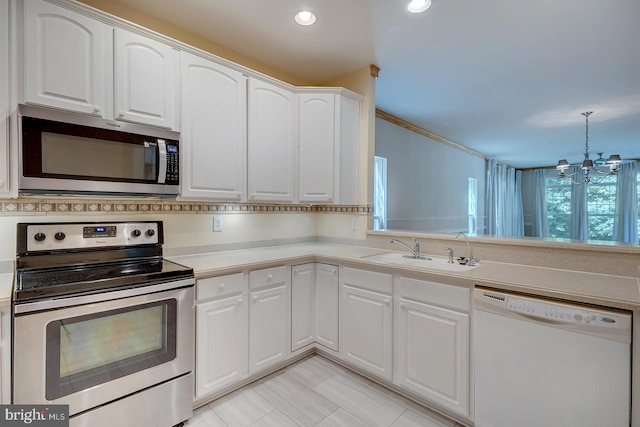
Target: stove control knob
x=136 y=233
x=39 y=237
x=150 y=233
x=59 y=235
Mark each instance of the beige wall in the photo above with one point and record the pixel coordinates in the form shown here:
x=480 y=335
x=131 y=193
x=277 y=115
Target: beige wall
x=120 y=10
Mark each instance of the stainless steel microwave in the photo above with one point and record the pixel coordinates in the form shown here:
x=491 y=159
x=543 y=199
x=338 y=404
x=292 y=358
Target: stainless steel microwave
x=68 y=153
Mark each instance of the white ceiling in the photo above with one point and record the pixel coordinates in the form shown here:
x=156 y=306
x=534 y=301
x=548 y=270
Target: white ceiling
x=507 y=78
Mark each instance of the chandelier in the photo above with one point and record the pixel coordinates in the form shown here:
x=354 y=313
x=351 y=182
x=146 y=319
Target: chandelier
x=588 y=168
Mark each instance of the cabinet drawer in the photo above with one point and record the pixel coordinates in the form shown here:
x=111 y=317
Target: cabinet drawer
x=449 y=296
x=370 y=280
x=267 y=277
x=214 y=287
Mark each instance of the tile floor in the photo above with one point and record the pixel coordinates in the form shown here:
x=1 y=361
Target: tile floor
x=315 y=392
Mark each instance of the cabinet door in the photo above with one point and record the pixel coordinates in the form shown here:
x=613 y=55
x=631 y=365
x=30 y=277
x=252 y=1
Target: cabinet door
x=347 y=177
x=432 y=354
x=4 y=98
x=145 y=80
x=222 y=354
x=214 y=136
x=5 y=350
x=366 y=330
x=326 y=310
x=271 y=142
x=302 y=306
x=66 y=59
x=269 y=327
x=316 y=159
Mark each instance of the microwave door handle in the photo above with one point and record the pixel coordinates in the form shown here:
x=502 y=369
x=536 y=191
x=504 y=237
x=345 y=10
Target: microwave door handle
x=162 y=161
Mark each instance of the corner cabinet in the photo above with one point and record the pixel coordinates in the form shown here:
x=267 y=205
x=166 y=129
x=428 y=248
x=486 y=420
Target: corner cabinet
x=145 y=80
x=303 y=290
x=271 y=143
x=432 y=342
x=329 y=138
x=214 y=136
x=327 y=298
x=366 y=320
x=67 y=58
x=314 y=306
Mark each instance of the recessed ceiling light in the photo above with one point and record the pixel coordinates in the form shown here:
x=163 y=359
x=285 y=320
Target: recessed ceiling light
x=306 y=17
x=417 y=6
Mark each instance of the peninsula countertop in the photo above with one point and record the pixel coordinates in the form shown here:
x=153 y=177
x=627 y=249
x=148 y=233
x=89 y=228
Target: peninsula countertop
x=605 y=290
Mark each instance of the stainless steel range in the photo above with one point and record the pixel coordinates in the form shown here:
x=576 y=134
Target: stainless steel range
x=103 y=323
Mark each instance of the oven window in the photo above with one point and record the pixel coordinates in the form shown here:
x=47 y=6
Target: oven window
x=93 y=349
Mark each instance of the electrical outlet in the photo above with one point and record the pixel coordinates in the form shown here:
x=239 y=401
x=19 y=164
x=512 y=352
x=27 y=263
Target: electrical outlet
x=354 y=224
x=308 y=221
x=217 y=223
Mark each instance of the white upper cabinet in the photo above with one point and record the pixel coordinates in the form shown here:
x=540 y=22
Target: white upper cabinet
x=67 y=59
x=317 y=147
x=271 y=142
x=5 y=108
x=214 y=136
x=145 y=80
x=77 y=63
x=328 y=146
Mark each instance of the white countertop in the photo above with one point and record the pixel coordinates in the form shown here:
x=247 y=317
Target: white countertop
x=6 y=288
x=606 y=290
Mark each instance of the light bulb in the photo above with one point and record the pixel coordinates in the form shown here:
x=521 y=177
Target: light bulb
x=417 y=6
x=305 y=17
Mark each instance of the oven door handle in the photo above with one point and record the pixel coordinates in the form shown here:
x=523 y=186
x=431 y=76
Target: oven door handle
x=70 y=301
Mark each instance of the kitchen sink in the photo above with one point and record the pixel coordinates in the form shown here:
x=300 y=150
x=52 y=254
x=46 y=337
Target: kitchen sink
x=428 y=263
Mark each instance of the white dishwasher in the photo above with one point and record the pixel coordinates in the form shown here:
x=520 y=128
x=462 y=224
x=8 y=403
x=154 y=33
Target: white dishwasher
x=540 y=363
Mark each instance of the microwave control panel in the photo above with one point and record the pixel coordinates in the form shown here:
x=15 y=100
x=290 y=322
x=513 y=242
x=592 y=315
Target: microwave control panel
x=173 y=172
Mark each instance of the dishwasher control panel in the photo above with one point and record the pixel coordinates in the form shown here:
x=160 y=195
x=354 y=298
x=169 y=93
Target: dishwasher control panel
x=562 y=313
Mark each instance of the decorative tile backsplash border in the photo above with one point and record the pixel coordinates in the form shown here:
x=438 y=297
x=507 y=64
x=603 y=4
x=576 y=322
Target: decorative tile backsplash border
x=29 y=206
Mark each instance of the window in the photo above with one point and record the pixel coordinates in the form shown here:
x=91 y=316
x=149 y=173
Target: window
x=558 y=198
x=638 y=191
x=379 y=193
x=473 y=207
x=601 y=207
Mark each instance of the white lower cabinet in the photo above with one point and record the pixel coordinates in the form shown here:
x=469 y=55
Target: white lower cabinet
x=222 y=343
x=326 y=306
x=5 y=355
x=222 y=327
x=314 y=305
x=269 y=311
x=431 y=349
x=366 y=321
x=303 y=289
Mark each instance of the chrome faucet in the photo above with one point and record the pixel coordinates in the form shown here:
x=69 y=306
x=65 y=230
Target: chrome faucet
x=472 y=260
x=450 y=253
x=415 y=251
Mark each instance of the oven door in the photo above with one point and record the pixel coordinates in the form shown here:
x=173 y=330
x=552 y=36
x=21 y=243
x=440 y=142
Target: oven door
x=91 y=354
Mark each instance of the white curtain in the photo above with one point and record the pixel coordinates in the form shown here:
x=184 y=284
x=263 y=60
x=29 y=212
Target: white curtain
x=540 y=227
x=504 y=200
x=625 y=225
x=579 y=218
